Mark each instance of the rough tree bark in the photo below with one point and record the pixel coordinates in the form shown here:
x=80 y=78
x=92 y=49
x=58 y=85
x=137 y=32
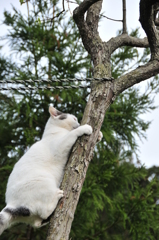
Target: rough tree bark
x=101 y=96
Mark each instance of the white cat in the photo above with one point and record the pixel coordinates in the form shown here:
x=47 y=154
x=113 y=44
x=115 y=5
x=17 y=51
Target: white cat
x=33 y=186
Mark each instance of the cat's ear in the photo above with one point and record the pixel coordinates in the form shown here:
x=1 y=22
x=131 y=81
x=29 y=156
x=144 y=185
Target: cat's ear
x=54 y=112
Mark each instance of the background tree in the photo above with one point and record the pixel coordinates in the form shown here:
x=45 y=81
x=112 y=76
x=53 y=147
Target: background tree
x=117 y=198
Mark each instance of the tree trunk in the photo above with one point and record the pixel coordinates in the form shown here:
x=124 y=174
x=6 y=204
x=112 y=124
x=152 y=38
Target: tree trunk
x=82 y=153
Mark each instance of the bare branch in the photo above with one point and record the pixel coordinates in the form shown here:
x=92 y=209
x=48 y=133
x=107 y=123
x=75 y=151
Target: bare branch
x=147 y=22
x=27 y=7
x=116 y=20
x=93 y=17
x=85 y=31
x=136 y=76
x=124 y=17
x=126 y=40
x=72 y=2
x=83 y=7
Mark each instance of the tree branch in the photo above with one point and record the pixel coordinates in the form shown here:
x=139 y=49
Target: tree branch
x=83 y=7
x=147 y=22
x=124 y=17
x=138 y=75
x=126 y=40
x=88 y=28
x=92 y=18
x=112 y=19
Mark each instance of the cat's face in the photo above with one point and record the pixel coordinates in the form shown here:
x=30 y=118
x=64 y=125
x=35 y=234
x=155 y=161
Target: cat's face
x=64 y=120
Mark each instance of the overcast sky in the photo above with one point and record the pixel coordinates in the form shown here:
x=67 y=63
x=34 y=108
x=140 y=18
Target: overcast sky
x=149 y=149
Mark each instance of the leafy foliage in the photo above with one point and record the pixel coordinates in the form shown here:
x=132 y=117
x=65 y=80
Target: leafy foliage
x=118 y=199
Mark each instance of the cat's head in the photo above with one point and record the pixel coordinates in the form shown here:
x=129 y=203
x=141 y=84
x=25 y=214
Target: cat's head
x=63 y=120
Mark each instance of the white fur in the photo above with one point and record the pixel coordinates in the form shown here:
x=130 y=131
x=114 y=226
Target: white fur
x=36 y=177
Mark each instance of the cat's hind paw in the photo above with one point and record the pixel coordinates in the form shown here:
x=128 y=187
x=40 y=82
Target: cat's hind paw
x=60 y=193
x=100 y=136
x=37 y=223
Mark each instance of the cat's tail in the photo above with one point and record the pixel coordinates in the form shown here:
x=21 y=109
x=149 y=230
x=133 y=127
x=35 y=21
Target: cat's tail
x=9 y=216
x=5 y=220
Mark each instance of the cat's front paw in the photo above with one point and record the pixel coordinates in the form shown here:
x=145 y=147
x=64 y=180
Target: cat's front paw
x=87 y=129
